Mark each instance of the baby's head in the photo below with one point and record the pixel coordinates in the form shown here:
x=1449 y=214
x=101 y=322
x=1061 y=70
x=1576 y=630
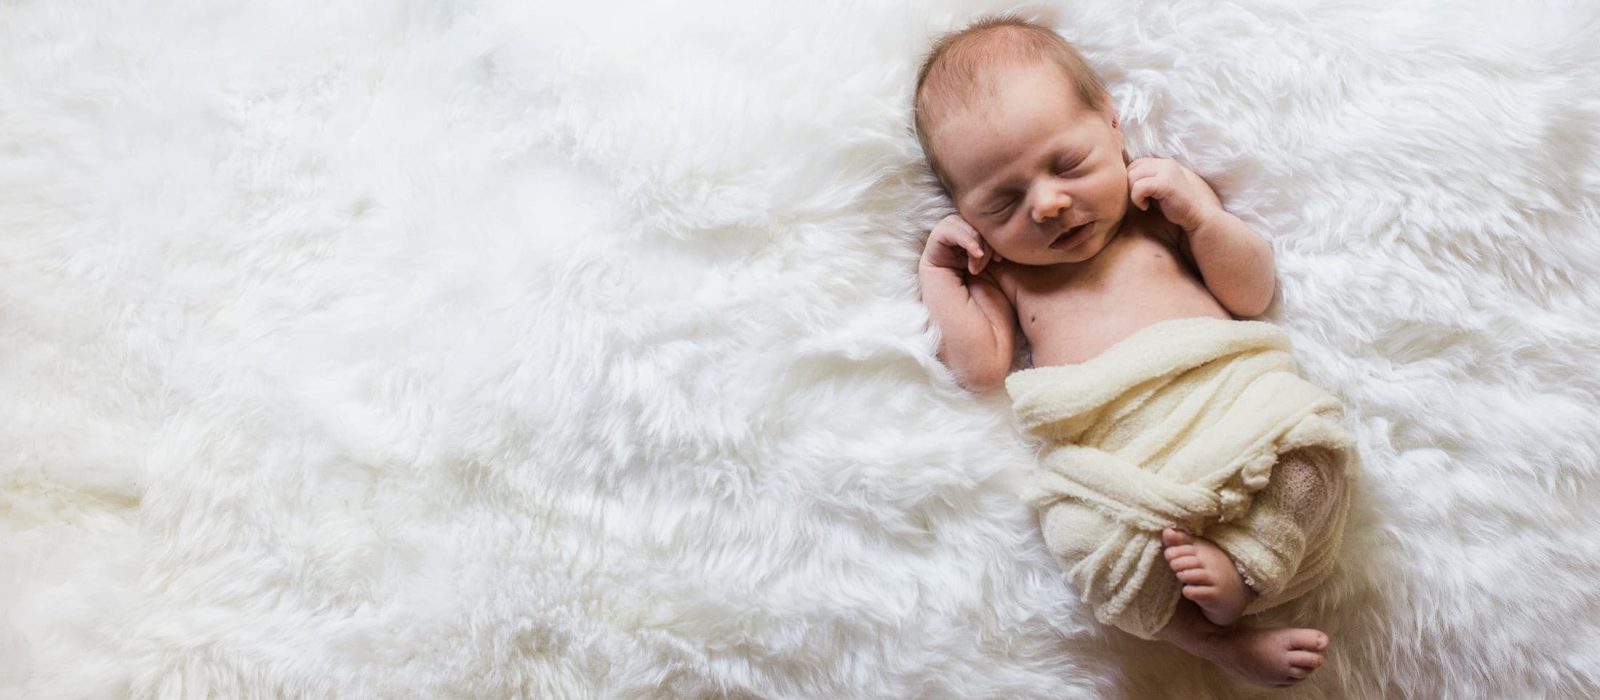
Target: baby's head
x=1021 y=133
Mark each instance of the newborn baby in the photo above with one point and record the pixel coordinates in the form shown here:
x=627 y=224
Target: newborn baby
x=1163 y=417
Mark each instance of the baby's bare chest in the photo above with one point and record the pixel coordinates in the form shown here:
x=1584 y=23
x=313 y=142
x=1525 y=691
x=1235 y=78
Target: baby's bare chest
x=1069 y=317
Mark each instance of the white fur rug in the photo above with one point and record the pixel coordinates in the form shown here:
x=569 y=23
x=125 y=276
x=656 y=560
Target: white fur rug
x=484 y=349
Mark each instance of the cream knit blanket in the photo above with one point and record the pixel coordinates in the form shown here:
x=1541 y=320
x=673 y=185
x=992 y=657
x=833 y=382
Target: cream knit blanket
x=1178 y=424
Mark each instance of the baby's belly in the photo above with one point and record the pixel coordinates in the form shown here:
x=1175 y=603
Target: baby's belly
x=1078 y=330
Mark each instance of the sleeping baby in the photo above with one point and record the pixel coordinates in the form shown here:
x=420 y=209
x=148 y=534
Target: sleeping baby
x=1188 y=475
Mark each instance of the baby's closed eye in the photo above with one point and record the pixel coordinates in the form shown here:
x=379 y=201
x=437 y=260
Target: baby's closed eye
x=1068 y=166
x=1001 y=206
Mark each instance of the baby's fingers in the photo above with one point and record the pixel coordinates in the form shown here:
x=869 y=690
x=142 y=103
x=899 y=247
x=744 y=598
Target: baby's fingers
x=967 y=239
x=1142 y=190
x=977 y=256
x=1142 y=167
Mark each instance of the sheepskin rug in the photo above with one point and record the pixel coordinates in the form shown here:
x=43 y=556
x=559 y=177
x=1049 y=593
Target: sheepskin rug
x=483 y=348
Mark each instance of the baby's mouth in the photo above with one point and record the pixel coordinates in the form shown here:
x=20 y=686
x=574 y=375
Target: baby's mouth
x=1071 y=236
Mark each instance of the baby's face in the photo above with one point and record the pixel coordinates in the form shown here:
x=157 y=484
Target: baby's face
x=1039 y=174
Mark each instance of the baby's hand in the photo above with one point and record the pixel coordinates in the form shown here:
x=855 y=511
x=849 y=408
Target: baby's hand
x=1186 y=200
x=955 y=245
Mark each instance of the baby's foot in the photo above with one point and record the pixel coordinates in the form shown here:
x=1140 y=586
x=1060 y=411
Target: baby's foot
x=1208 y=576
x=1277 y=657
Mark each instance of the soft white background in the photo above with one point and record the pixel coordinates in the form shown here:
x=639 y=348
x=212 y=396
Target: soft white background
x=477 y=349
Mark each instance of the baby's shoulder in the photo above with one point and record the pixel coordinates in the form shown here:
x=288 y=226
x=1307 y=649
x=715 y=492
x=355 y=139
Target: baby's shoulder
x=1029 y=284
x=1005 y=275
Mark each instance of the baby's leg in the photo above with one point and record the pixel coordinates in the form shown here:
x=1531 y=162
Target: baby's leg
x=1301 y=498
x=1275 y=657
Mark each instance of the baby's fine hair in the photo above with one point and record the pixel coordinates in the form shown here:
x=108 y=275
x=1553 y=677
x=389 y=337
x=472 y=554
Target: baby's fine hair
x=953 y=72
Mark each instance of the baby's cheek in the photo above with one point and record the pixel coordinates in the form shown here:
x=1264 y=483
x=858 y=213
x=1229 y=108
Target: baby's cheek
x=1116 y=186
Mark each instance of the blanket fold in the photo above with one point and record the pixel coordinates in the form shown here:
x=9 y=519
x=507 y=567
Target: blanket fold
x=1179 y=424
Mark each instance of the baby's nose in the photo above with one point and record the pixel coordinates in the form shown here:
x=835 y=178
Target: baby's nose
x=1051 y=208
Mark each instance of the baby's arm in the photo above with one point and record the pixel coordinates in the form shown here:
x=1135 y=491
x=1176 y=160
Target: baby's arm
x=1235 y=262
x=977 y=326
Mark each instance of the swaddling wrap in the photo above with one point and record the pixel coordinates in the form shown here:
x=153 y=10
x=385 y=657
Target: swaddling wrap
x=1179 y=424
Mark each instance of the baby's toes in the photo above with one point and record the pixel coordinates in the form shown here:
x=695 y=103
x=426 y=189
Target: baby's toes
x=1201 y=595
x=1305 y=659
x=1307 y=640
x=1173 y=537
x=1183 y=550
x=1198 y=576
x=1185 y=563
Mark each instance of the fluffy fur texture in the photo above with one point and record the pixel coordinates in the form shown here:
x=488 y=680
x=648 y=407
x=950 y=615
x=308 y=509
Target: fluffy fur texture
x=475 y=349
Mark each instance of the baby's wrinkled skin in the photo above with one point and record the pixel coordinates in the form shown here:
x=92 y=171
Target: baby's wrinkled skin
x=1057 y=231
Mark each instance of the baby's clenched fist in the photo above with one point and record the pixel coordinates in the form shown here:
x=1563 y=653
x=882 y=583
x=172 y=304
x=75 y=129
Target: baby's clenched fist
x=1186 y=200
x=955 y=245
